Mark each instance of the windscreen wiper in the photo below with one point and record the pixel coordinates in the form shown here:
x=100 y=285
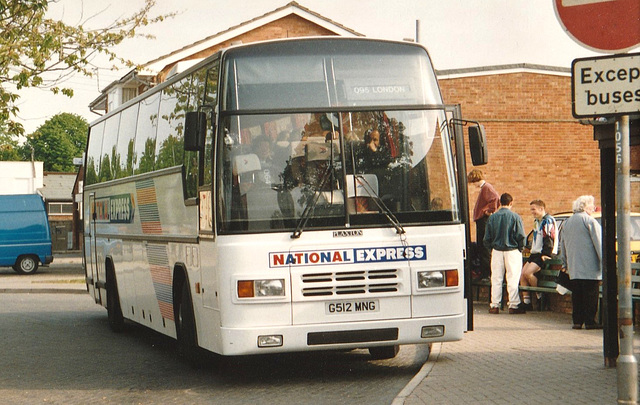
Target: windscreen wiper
x=308 y=209
x=381 y=205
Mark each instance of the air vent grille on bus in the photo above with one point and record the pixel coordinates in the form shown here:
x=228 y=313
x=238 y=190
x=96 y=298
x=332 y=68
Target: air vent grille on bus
x=350 y=282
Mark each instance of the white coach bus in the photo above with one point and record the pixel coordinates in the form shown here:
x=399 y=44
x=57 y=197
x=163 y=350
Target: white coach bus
x=284 y=196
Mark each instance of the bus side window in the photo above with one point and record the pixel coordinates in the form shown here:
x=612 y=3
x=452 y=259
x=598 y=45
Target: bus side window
x=125 y=147
x=173 y=106
x=94 y=152
x=145 y=142
x=210 y=90
x=176 y=101
x=202 y=96
x=110 y=160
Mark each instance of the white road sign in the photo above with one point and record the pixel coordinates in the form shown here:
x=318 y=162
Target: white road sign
x=606 y=85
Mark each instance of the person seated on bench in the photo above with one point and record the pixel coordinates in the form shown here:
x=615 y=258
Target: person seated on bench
x=543 y=246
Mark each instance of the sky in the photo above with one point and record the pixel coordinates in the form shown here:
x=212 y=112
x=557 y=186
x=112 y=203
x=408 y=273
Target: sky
x=457 y=33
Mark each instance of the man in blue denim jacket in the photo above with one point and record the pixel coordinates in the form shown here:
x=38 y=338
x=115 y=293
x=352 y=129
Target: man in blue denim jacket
x=505 y=237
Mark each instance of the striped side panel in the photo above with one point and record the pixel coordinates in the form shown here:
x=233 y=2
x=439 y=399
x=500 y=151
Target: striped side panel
x=148 y=207
x=161 y=276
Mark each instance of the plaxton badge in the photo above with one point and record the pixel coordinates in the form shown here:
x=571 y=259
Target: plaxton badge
x=347 y=256
x=346 y=234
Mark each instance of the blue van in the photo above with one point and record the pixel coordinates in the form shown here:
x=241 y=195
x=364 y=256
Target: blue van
x=25 y=238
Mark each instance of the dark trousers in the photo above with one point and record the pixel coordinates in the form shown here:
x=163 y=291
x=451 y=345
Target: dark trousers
x=483 y=253
x=584 y=297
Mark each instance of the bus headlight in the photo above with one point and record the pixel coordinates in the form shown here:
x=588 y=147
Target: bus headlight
x=269 y=288
x=260 y=288
x=433 y=279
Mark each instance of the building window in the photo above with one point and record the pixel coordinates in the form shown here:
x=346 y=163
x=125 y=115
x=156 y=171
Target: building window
x=62 y=208
x=129 y=94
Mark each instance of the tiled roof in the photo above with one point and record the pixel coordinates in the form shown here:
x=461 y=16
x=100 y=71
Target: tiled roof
x=58 y=186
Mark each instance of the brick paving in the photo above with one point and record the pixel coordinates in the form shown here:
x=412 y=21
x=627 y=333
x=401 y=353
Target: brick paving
x=508 y=359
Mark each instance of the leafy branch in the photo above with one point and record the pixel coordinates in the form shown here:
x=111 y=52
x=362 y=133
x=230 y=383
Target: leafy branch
x=36 y=51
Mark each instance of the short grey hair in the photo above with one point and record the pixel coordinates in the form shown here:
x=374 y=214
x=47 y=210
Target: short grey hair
x=582 y=202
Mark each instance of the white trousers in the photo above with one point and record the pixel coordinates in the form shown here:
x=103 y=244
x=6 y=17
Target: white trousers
x=511 y=261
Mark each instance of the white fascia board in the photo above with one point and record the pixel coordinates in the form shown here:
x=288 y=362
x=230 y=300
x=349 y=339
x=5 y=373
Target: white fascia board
x=502 y=71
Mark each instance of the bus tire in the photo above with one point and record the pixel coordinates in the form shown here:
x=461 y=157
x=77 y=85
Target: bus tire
x=384 y=352
x=27 y=264
x=186 y=328
x=114 y=310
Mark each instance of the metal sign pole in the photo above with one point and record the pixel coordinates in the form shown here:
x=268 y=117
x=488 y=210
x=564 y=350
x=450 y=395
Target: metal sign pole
x=627 y=363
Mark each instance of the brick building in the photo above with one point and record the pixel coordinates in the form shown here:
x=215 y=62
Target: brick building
x=56 y=191
x=537 y=150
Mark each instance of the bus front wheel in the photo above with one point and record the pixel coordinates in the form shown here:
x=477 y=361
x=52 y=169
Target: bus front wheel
x=186 y=328
x=384 y=352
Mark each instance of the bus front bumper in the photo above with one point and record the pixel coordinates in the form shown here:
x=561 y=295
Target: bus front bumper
x=336 y=336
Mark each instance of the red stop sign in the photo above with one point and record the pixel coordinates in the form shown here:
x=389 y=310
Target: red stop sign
x=601 y=25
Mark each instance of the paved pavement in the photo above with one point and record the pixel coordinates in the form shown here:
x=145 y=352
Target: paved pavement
x=507 y=359
x=64 y=275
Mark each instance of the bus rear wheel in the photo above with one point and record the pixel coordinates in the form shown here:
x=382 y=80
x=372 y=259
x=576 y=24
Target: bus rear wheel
x=186 y=328
x=384 y=352
x=26 y=265
x=114 y=310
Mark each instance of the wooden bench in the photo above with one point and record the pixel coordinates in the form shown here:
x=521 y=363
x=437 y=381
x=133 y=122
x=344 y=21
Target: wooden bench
x=635 y=292
x=480 y=283
x=635 y=288
x=546 y=283
x=635 y=281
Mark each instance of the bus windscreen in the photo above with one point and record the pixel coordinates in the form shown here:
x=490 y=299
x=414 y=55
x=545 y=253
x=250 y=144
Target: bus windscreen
x=314 y=75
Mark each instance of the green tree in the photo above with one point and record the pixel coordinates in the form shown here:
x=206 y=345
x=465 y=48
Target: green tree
x=57 y=142
x=39 y=52
x=9 y=150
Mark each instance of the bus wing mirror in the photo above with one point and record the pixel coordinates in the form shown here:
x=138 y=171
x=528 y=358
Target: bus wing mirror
x=478 y=145
x=195 y=131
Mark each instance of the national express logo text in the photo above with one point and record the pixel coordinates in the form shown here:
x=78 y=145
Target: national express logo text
x=115 y=209
x=348 y=256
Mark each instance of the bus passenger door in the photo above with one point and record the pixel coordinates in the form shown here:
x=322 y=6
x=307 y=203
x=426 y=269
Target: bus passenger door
x=92 y=257
x=454 y=118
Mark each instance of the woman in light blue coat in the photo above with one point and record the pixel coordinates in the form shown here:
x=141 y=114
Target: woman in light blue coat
x=581 y=254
